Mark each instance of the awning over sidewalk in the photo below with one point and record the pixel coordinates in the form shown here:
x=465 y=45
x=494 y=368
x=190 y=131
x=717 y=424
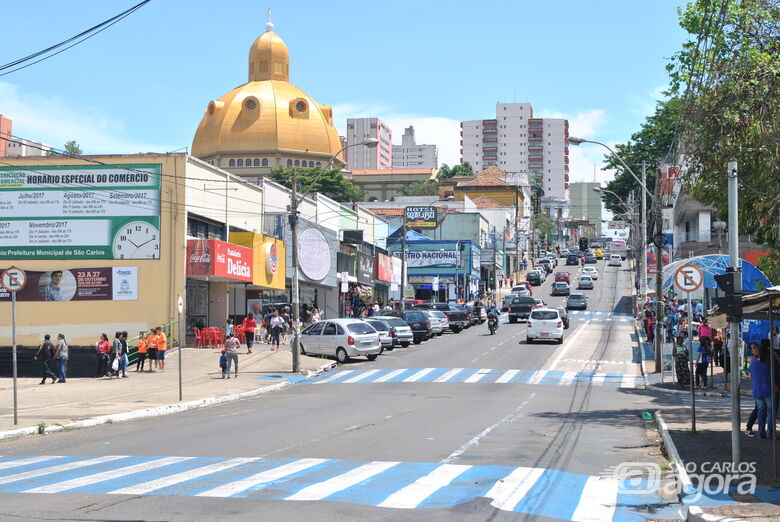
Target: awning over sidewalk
x=753 y=279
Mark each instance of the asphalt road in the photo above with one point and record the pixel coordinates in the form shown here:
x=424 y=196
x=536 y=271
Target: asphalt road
x=470 y=426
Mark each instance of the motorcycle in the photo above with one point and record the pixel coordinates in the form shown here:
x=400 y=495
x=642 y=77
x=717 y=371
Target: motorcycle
x=492 y=324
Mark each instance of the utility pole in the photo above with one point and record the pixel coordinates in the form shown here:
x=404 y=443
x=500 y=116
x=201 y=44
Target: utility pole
x=734 y=329
x=403 y=262
x=296 y=307
x=643 y=235
x=659 y=273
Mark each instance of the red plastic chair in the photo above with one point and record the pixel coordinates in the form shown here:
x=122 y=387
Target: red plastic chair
x=198 y=338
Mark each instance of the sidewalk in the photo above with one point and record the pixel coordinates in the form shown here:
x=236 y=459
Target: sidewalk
x=83 y=398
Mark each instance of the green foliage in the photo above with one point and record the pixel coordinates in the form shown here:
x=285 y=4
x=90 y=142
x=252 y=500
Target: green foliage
x=650 y=144
x=330 y=183
x=544 y=225
x=728 y=75
x=464 y=169
x=72 y=148
x=770 y=265
x=426 y=187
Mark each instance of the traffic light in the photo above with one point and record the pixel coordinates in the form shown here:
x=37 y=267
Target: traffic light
x=731 y=285
x=583 y=243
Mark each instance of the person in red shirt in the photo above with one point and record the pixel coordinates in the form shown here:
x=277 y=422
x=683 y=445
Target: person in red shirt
x=249 y=331
x=103 y=349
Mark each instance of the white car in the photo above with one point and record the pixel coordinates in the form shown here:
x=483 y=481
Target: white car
x=615 y=260
x=590 y=271
x=341 y=338
x=385 y=334
x=544 y=324
x=400 y=330
x=542 y=272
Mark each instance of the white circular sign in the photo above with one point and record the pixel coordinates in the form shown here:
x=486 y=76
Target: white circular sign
x=180 y=304
x=13 y=279
x=688 y=278
x=313 y=254
x=271 y=259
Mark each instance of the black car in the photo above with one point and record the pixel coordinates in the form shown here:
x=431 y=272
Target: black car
x=458 y=318
x=572 y=259
x=534 y=278
x=417 y=321
x=564 y=316
x=577 y=302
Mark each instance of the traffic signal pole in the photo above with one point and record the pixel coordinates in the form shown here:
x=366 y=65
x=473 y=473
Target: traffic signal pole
x=734 y=329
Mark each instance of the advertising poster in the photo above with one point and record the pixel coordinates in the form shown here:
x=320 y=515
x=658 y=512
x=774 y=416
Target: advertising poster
x=384 y=268
x=365 y=268
x=432 y=258
x=420 y=217
x=212 y=257
x=80 y=212
x=79 y=284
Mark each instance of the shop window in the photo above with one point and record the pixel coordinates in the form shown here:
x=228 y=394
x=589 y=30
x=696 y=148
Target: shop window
x=232 y=163
x=265 y=162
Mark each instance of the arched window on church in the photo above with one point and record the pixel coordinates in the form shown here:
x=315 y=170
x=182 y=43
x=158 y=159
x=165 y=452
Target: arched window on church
x=256 y=163
x=289 y=163
x=240 y=163
x=265 y=162
x=319 y=164
x=232 y=163
x=297 y=163
x=248 y=162
x=311 y=163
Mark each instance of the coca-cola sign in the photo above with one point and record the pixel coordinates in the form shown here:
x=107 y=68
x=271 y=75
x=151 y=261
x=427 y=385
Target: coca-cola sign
x=213 y=257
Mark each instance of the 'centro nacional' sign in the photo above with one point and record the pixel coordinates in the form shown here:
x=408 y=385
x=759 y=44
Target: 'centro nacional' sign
x=420 y=217
x=432 y=258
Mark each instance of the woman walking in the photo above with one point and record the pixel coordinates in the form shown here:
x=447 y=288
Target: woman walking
x=123 y=355
x=702 y=361
x=61 y=357
x=116 y=350
x=276 y=325
x=249 y=331
x=681 y=367
x=762 y=389
x=231 y=350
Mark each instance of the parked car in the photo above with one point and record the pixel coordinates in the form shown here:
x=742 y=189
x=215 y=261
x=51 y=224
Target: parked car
x=399 y=330
x=544 y=324
x=564 y=316
x=534 y=278
x=417 y=321
x=560 y=288
x=564 y=253
x=547 y=265
x=458 y=319
x=553 y=259
x=474 y=318
x=615 y=260
x=342 y=339
x=592 y=272
x=564 y=277
x=590 y=257
x=520 y=285
x=385 y=334
x=585 y=282
x=508 y=299
x=577 y=302
x=520 y=308
x=436 y=327
x=573 y=259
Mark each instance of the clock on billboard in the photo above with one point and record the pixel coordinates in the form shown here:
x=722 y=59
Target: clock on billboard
x=137 y=240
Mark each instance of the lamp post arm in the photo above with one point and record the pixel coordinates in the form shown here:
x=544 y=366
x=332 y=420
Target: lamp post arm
x=622 y=163
x=328 y=167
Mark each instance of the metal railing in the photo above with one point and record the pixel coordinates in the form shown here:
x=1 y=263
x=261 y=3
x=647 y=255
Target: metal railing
x=171 y=333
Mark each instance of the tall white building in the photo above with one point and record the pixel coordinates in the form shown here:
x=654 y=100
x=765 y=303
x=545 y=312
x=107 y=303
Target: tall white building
x=363 y=157
x=517 y=142
x=409 y=155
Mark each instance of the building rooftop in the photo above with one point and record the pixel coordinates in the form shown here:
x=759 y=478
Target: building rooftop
x=379 y=172
x=484 y=202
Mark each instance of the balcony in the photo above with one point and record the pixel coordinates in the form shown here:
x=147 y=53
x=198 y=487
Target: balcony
x=490 y=140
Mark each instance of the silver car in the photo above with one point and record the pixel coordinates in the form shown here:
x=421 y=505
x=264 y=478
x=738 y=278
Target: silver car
x=385 y=336
x=399 y=329
x=445 y=322
x=341 y=338
x=436 y=324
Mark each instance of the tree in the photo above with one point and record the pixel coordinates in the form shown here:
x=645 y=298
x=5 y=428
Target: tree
x=72 y=148
x=464 y=169
x=544 y=226
x=651 y=144
x=728 y=75
x=330 y=183
x=426 y=187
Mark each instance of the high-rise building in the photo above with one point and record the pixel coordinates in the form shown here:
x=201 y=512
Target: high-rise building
x=585 y=203
x=517 y=142
x=410 y=155
x=18 y=147
x=6 y=131
x=369 y=158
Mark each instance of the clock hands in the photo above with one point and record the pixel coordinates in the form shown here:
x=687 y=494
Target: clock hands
x=142 y=244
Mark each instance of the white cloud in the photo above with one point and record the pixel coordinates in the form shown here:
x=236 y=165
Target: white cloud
x=53 y=121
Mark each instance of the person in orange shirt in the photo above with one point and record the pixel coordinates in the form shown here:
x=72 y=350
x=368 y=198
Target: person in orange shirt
x=139 y=366
x=162 y=346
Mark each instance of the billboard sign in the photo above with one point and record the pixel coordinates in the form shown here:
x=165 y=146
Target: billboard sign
x=384 y=268
x=80 y=212
x=365 y=268
x=119 y=283
x=420 y=217
x=616 y=225
x=432 y=258
x=212 y=257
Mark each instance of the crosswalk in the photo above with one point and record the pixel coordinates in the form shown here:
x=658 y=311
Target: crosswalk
x=387 y=484
x=591 y=315
x=477 y=375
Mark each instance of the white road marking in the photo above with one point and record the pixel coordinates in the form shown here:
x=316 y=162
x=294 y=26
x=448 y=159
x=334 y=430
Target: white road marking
x=537 y=377
x=629 y=381
x=597 y=501
x=335 y=376
x=24 y=462
x=449 y=375
x=171 y=480
x=475 y=359
x=390 y=375
x=493 y=348
x=56 y=469
x=567 y=378
x=419 y=375
x=478 y=376
x=598 y=379
x=567 y=343
x=516 y=414
x=507 y=376
x=106 y=475
x=232 y=488
x=324 y=489
x=360 y=376
x=508 y=492
x=410 y=496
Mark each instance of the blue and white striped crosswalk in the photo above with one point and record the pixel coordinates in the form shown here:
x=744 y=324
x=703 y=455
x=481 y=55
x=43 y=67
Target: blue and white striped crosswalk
x=592 y=315
x=387 y=484
x=477 y=375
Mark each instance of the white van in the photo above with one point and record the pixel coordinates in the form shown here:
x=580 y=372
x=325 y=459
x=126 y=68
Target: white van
x=615 y=260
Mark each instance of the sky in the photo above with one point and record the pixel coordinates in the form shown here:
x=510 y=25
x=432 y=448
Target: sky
x=143 y=84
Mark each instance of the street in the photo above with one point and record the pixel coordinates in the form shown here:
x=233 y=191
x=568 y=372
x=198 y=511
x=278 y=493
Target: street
x=470 y=426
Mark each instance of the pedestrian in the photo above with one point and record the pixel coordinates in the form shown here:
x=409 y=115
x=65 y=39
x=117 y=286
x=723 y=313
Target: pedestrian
x=717 y=347
x=249 y=331
x=228 y=327
x=162 y=347
x=276 y=323
x=45 y=355
x=287 y=322
x=61 y=358
x=103 y=350
x=116 y=351
x=702 y=361
x=151 y=344
x=316 y=316
x=267 y=322
x=123 y=352
x=141 y=353
x=681 y=367
x=223 y=361
x=762 y=389
x=231 y=351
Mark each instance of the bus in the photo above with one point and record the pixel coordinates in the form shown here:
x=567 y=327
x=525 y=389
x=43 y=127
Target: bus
x=619 y=247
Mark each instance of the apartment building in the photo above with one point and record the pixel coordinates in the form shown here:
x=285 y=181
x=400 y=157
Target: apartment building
x=369 y=158
x=410 y=155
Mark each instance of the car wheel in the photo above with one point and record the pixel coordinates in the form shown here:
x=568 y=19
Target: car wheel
x=381 y=350
x=529 y=340
x=405 y=344
x=560 y=341
x=512 y=319
x=390 y=348
x=372 y=357
x=303 y=350
x=417 y=340
x=341 y=355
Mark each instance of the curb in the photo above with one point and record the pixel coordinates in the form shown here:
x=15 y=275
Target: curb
x=642 y=363
x=157 y=411
x=697 y=514
x=671 y=449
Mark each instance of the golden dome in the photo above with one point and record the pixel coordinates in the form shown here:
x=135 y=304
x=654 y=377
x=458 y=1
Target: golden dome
x=267 y=114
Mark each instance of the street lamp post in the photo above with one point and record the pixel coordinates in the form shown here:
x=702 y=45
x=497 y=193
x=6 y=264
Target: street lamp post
x=632 y=228
x=294 y=202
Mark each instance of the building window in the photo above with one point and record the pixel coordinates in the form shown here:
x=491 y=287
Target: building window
x=319 y=164
x=297 y=163
x=256 y=163
x=265 y=162
x=289 y=163
x=232 y=163
x=240 y=163
x=248 y=162
x=311 y=164
x=203 y=228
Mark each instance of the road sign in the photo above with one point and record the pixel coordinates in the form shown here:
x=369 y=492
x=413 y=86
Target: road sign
x=180 y=304
x=13 y=279
x=688 y=278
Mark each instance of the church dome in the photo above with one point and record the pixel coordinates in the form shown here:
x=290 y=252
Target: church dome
x=267 y=115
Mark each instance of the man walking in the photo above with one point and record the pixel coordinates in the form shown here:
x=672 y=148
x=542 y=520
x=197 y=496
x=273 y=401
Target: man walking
x=45 y=355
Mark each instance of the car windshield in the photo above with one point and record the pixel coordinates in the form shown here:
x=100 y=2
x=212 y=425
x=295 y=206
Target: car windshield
x=395 y=322
x=561 y=284
x=438 y=314
x=585 y=279
x=360 y=328
x=544 y=315
x=415 y=316
x=379 y=326
x=576 y=297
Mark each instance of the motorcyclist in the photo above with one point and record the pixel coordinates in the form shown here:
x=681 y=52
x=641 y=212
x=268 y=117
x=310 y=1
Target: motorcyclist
x=492 y=313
